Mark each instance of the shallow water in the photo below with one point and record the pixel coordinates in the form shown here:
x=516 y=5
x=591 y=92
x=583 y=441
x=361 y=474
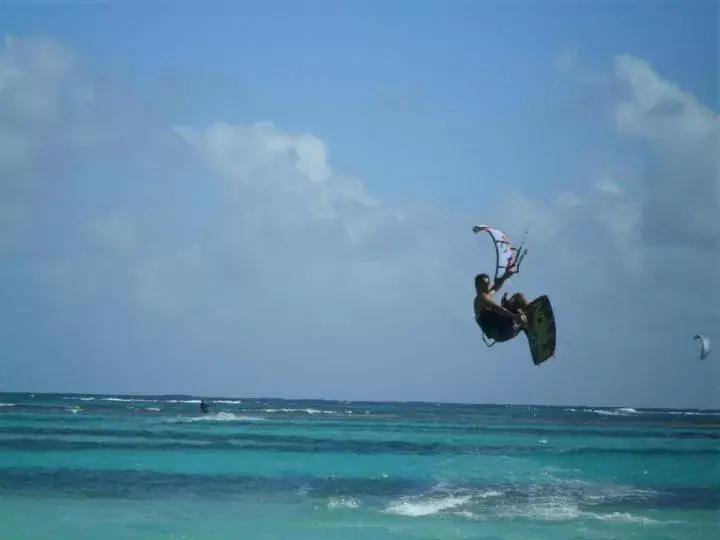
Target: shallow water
x=147 y=467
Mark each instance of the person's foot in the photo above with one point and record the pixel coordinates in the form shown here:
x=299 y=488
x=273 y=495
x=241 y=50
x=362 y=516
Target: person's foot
x=522 y=319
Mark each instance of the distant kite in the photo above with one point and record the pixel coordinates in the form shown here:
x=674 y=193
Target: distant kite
x=704 y=345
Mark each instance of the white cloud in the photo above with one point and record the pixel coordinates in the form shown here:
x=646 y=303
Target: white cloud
x=636 y=242
x=289 y=172
x=681 y=179
x=607 y=185
x=565 y=198
x=673 y=194
x=659 y=111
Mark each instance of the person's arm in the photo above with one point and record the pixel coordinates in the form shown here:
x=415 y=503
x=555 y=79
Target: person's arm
x=499 y=282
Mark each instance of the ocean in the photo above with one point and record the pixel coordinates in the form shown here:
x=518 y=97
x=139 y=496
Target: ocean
x=156 y=467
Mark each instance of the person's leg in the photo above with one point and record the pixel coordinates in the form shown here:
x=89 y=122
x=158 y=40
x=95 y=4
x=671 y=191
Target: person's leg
x=492 y=325
x=506 y=331
x=497 y=327
x=516 y=303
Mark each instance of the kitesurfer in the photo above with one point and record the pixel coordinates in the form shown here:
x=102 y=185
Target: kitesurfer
x=500 y=322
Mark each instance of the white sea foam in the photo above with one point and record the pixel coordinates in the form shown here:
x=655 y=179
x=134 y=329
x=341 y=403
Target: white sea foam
x=306 y=411
x=422 y=506
x=610 y=412
x=694 y=413
x=129 y=400
x=564 y=508
x=621 y=517
x=220 y=417
x=443 y=498
x=343 y=502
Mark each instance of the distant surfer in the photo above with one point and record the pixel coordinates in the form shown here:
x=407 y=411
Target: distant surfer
x=204 y=406
x=500 y=322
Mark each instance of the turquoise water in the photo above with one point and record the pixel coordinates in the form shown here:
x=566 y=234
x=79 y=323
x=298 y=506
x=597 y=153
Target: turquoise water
x=141 y=468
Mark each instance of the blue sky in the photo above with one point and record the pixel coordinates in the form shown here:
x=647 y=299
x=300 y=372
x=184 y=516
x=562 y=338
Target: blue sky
x=157 y=240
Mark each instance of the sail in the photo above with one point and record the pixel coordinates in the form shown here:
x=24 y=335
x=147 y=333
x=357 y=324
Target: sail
x=508 y=256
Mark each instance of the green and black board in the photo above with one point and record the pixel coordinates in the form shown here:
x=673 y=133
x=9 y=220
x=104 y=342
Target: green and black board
x=541 y=329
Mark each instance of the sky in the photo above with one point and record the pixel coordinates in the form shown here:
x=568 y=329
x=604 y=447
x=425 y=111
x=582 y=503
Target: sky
x=277 y=198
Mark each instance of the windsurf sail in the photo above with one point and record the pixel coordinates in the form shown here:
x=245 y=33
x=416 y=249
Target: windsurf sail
x=704 y=345
x=508 y=257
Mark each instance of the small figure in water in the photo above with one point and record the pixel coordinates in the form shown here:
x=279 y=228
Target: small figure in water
x=500 y=322
x=204 y=406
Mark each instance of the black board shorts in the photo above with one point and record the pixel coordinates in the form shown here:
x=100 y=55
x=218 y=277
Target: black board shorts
x=497 y=327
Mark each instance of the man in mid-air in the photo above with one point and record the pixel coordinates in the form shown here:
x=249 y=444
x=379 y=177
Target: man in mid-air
x=500 y=322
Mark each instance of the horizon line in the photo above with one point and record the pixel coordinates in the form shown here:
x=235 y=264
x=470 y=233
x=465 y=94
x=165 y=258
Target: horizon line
x=357 y=401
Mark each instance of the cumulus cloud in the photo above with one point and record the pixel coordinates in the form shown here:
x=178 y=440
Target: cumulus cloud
x=241 y=238
x=647 y=218
x=682 y=178
x=234 y=258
